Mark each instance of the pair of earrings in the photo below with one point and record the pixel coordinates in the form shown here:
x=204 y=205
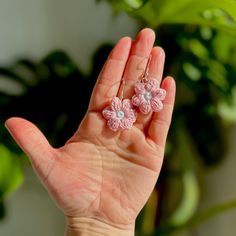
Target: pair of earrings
x=148 y=97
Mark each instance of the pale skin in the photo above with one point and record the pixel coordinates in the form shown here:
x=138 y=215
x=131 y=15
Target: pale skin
x=101 y=179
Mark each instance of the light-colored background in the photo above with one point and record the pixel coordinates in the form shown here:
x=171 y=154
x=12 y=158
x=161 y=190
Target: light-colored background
x=32 y=28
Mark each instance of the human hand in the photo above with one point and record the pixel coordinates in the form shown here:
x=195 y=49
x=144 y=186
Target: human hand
x=101 y=179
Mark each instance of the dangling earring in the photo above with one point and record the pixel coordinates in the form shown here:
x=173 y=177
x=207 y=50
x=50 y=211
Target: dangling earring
x=148 y=94
x=120 y=115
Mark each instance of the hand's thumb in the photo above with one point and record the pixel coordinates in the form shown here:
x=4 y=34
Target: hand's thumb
x=33 y=143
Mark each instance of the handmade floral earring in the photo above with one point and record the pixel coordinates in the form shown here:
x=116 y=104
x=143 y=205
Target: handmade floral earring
x=148 y=94
x=120 y=115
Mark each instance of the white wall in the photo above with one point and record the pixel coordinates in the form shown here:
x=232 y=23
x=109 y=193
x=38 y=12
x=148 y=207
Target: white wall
x=33 y=27
x=220 y=187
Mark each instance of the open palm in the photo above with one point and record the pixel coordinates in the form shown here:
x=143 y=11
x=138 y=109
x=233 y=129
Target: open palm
x=99 y=173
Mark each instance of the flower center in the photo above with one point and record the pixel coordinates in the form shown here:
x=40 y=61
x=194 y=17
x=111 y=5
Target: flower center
x=147 y=96
x=120 y=114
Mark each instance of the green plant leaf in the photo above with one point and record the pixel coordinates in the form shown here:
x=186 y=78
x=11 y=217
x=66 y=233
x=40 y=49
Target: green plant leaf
x=2 y=210
x=134 y=3
x=189 y=201
x=126 y=5
x=148 y=224
x=211 y=212
x=192 y=72
x=208 y=214
x=197 y=48
x=224 y=47
x=190 y=195
x=217 y=73
x=10 y=86
x=227 y=109
x=11 y=175
x=219 y=14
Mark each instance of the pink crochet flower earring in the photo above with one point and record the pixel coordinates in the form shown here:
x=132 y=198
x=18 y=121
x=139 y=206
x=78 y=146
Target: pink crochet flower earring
x=148 y=94
x=120 y=115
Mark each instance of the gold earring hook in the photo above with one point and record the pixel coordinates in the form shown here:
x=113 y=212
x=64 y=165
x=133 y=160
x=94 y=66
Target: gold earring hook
x=146 y=71
x=122 y=89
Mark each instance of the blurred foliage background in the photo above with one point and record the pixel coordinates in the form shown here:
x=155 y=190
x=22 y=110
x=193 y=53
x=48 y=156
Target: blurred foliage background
x=199 y=39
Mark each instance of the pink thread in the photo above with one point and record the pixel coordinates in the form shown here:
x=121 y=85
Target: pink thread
x=120 y=115
x=149 y=96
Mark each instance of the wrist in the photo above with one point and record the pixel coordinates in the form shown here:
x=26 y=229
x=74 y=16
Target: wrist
x=83 y=226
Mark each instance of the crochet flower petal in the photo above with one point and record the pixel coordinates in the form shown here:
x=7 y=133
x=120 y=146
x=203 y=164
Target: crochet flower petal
x=156 y=104
x=145 y=107
x=116 y=104
x=126 y=104
x=108 y=113
x=113 y=124
x=160 y=94
x=132 y=116
x=137 y=99
x=152 y=85
x=139 y=88
x=126 y=123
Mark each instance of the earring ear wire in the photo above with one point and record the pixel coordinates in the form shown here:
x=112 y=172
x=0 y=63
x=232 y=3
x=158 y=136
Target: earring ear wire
x=122 y=89
x=146 y=71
